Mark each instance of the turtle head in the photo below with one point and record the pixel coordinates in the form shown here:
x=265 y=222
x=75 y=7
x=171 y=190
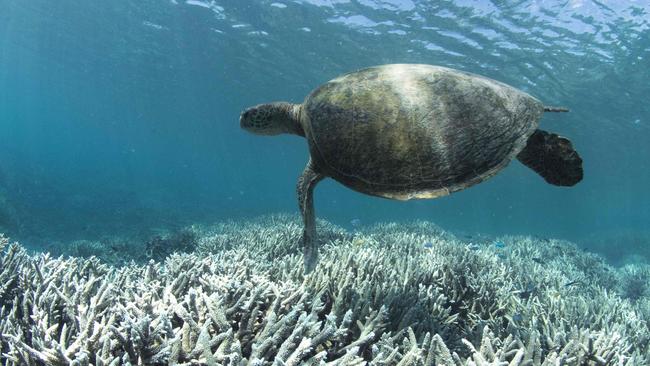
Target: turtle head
x=272 y=119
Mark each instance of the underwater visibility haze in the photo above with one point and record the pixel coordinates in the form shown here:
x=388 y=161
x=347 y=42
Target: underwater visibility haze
x=124 y=116
x=120 y=138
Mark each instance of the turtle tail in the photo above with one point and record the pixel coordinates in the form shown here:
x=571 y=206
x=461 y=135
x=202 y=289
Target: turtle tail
x=553 y=157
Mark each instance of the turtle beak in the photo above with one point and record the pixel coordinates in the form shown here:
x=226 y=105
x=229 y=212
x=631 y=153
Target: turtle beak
x=241 y=119
x=244 y=119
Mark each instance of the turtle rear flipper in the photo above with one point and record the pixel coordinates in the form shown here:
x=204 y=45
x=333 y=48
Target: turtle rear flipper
x=553 y=157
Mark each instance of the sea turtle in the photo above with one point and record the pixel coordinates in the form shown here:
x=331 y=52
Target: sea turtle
x=406 y=131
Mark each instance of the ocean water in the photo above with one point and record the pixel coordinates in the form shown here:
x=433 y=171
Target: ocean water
x=122 y=117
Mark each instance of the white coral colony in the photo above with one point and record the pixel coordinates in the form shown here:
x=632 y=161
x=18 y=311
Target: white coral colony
x=242 y=299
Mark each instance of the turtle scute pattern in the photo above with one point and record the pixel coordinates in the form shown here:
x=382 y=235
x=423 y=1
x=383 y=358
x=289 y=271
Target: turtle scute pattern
x=405 y=131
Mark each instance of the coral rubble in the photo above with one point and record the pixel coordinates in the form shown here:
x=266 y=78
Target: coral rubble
x=379 y=296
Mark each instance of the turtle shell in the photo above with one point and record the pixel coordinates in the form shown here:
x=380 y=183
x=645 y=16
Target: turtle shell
x=416 y=131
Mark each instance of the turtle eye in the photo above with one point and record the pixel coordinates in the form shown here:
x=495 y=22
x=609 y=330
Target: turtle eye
x=249 y=114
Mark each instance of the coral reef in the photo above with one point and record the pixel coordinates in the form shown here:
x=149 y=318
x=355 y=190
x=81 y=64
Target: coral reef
x=620 y=247
x=119 y=251
x=385 y=295
x=160 y=247
x=635 y=282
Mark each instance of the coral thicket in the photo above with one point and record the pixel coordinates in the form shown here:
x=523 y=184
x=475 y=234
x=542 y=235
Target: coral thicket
x=384 y=295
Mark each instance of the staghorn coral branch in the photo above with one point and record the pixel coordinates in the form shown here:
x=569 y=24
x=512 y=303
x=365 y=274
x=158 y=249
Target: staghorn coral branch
x=243 y=299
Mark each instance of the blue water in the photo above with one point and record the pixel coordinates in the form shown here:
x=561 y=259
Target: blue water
x=121 y=117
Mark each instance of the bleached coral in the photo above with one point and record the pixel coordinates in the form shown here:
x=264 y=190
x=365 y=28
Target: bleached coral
x=379 y=296
x=635 y=281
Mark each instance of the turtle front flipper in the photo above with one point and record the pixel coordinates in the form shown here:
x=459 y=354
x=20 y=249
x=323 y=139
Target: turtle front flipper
x=553 y=157
x=306 y=183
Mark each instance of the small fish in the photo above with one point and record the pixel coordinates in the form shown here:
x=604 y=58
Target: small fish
x=501 y=256
x=537 y=260
x=428 y=244
x=358 y=241
x=499 y=244
x=355 y=222
x=530 y=287
x=518 y=317
x=528 y=292
x=568 y=284
x=473 y=246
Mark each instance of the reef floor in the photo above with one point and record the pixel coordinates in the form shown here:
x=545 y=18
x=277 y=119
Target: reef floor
x=234 y=293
